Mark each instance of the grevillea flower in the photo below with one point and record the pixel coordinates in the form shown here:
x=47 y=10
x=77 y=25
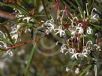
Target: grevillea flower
x=89 y=30
x=9 y=52
x=60 y=31
x=14 y=32
x=49 y=26
x=79 y=29
x=3 y=44
x=27 y=19
x=67 y=69
x=63 y=48
x=75 y=55
x=94 y=16
x=77 y=71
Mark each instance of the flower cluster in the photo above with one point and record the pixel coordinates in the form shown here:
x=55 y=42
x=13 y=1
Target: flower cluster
x=76 y=43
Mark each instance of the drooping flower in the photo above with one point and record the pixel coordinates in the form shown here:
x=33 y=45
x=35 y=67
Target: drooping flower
x=77 y=71
x=27 y=19
x=67 y=69
x=94 y=16
x=71 y=50
x=75 y=55
x=76 y=29
x=60 y=31
x=9 y=52
x=89 y=30
x=14 y=31
x=3 y=44
x=79 y=29
x=49 y=26
x=85 y=52
x=63 y=48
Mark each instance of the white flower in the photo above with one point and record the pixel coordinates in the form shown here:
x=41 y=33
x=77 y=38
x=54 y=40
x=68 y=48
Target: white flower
x=15 y=28
x=67 y=69
x=60 y=31
x=87 y=11
x=72 y=29
x=83 y=55
x=41 y=8
x=75 y=55
x=76 y=29
x=47 y=31
x=77 y=71
x=84 y=52
x=89 y=30
x=49 y=25
x=27 y=19
x=97 y=47
x=9 y=52
x=73 y=32
x=14 y=32
x=18 y=26
x=89 y=43
x=3 y=44
x=79 y=29
x=15 y=36
x=71 y=50
x=19 y=15
x=63 y=48
x=94 y=16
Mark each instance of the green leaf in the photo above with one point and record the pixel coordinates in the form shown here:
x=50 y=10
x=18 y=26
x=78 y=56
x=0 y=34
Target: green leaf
x=85 y=70
x=29 y=60
x=80 y=8
x=90 y=5
x=97 y=26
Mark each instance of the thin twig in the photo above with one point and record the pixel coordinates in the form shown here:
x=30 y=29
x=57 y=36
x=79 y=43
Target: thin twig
x=19 y=44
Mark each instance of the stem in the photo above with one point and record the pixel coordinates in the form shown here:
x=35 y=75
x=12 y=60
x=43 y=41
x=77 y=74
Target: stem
x=45 y=9
x=57 y=4
x=19 y=44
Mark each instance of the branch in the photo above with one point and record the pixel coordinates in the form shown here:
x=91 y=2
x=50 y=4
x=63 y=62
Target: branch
x=7 y=15
x=19 y=44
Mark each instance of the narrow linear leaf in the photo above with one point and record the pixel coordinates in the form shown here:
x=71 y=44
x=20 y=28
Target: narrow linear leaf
x=85 y=70
x=29 y=60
